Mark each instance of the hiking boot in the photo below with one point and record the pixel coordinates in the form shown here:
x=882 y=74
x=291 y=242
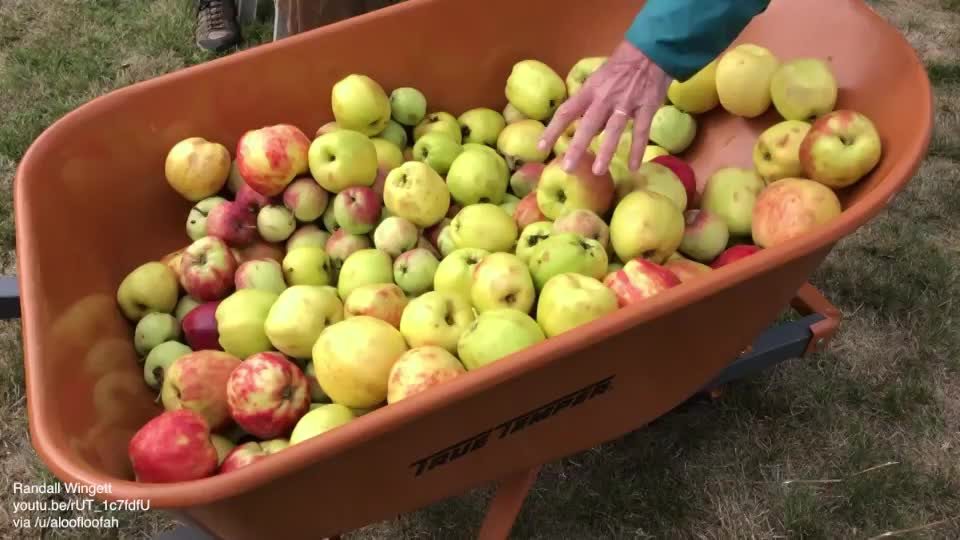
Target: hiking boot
x=217 y=27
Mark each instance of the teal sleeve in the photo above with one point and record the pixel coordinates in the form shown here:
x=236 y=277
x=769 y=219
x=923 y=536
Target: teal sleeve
x=683 y=36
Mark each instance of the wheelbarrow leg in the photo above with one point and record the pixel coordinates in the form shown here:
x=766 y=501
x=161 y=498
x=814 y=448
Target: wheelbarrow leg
x=506 y=505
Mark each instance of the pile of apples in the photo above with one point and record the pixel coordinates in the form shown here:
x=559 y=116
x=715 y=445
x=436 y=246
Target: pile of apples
x=402 y=247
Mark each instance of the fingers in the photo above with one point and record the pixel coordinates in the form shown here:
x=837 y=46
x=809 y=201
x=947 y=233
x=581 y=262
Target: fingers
x=588 y=127
x=569 y=111
x=641 y=134
x=611 y=139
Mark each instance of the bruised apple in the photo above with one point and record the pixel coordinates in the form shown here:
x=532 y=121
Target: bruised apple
x=791 y=207
x=638 y=280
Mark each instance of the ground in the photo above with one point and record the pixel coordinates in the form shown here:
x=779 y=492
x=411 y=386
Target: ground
x=858 y=441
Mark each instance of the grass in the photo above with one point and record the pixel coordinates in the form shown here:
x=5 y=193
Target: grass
x=851 y=443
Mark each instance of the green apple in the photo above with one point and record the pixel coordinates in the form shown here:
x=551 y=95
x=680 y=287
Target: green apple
x=502 y=280
x=570 y=300
x=359 y=103
x=150 y=287
x=317 y=394
x=525 y=179
x=484 y=226
x=501 y=163
x=307 y=266
x=841 y=147
x=240 y=321
x=353 y=357
x=389 y=153
x=731 y=193
x=364 y=267
x=668 y=185
x=696 y=94
x=439 y=122
x=581 y=71
x=566 y=252
x=803 y=89
x=535 y=89
x=705 y=235
x=437 y=150
x=394 y=134
x=408 y=105
x=476 y=177
x=395 y=235
x=559 y=191
x=159 y=359
x=646 y=224
x=415 y=192
x=275 y=223
x=319 y=420
x=563 y=143
x=185 y=305
x=531 y=237
x=308 y=235
x=454 y=274
x=299 y=315
x=329 y=219
x=495 y=334
x=413 y=271
x=776 y=154
x=511 y=114
x=672 y=129
x=341 y=159
x=445 y=241
x=518 y=143
x=481 y=125
x=153 y=329
x=306 y=199
x=266 y=274
x=510 y=203
x=436 y=318
x=197 y=217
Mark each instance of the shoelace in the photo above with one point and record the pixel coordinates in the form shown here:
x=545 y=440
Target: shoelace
x=211 y=14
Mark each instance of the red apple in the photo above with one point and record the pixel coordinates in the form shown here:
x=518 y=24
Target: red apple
x=528 y=211
x=733 y=254
x=267 y=394
x=685 y=269
x=207 y=268
x=270 y=158
x=261 y=250
x=173 y=447
x=248 y=198
x=306 y=199
x=684 y=172
x=232 y=223
x=638 y=280
x=357 y=209
x=198 y=381
x=200 y=327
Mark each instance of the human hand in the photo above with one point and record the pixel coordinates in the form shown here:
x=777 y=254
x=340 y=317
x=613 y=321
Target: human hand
x=628 y=85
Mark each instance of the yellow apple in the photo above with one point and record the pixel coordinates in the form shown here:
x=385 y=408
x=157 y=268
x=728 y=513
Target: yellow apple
x=420 y=369
x=319 y=420
x=803 y=88
x=359 y=103
x=197 y=168
x=776 y=153
x=791 y=207
x=698 y=94
x=353 y=358
x=743 y=79
x=646 y=224
x=570 y=300
x=299 y=315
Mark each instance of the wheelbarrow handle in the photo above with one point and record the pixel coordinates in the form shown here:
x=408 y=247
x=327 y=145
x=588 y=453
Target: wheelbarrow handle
x=9 y=298
x=795 y=339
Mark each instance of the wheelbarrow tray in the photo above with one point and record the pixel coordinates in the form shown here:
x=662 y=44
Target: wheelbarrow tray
x=92 y=204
